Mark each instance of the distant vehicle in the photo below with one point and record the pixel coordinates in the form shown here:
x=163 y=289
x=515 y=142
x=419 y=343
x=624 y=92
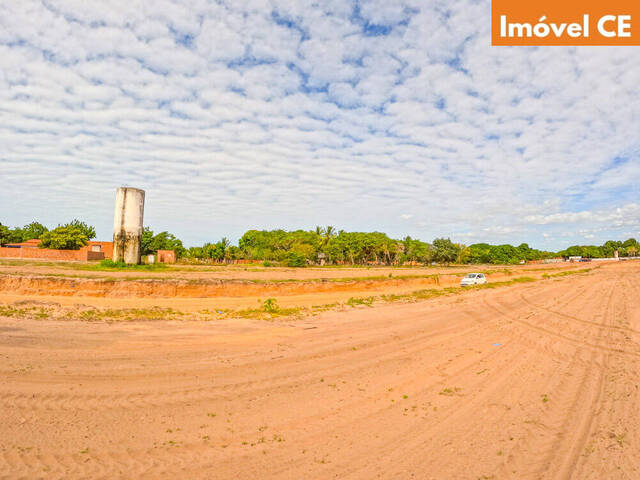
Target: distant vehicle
x=585 y=259
x=473 y=279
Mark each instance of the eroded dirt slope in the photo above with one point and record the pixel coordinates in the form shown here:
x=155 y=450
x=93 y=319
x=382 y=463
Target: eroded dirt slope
x=531 y=381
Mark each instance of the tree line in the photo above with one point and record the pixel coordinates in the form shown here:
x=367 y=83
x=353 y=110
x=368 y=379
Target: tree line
x=299 y=248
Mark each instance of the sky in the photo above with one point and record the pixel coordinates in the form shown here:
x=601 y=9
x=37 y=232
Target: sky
x=386 y=115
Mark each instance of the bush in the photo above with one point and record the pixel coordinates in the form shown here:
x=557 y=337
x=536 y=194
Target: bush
x=270 y=305
x=67 y=237
x=108 y=263
x=295 y=260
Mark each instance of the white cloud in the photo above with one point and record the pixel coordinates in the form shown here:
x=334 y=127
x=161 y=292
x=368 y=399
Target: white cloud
x=292 y=113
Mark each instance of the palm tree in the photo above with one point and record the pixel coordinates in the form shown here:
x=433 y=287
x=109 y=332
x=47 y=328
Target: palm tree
x=225 y=243
x=330 y=232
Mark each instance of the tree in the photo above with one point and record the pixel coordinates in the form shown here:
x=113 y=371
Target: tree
x=5 y=234
x=609 y=248
x=88 y=230
x=147 y=238
x=64 y=238
x=151 y=243
x=463 y=253
x=224 y=245
x=631 y=247
x=18 y=235
x=33 y=230
x=445 y=250
x=167 y=241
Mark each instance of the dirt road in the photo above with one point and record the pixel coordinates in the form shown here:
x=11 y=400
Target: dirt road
x=533 y=381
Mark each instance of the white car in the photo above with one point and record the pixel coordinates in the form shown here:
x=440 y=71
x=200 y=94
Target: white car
x=473 y=279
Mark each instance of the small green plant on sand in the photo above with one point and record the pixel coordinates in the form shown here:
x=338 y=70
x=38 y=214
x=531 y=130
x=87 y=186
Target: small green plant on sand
x=270 y=305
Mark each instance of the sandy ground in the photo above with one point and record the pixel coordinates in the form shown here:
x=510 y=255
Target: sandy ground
x=205 y=290
x=257 y=272
x=533 y=381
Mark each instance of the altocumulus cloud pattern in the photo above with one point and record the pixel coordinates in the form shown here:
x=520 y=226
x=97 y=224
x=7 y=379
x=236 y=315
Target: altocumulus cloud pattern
x=390 y=115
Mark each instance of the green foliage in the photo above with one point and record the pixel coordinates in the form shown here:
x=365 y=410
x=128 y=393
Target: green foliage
x=279 y=245
x=363 y=248
x=416 y=251
x=445 y=250
x=504 y=254
x=87 y=230
x=33 y=230
x=66 y=237
x=628 y=248
x=295 y=259
x=10 y=235
x=162 y=241
x=108 y=264
x=270 y=305
x=354 y=301
x=219 y=251
x=145 y=242
x=5 y=234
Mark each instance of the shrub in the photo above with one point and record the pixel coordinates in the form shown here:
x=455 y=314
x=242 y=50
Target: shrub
x=270 y=305
x=67 y=237
x=295 y=260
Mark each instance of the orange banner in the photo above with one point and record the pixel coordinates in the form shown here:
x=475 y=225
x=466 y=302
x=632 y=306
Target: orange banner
x=565 y=22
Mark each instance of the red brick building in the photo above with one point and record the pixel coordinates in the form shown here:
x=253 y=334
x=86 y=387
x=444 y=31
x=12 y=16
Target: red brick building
x=166 y=256
x=31 y=249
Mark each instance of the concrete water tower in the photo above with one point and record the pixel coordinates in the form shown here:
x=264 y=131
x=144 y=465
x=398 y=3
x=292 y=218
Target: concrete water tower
x=127 y=225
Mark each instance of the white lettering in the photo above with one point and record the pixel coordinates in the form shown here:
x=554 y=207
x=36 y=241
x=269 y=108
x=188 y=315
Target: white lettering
x=624 y=26
x=519 y=29
x=541 y=29
x=586 y=26
x=601 y=26
x=574 y=30
x=558 y=29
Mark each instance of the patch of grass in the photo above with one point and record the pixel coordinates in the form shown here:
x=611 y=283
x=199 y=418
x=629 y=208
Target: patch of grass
x=566 y=273
x=9 y=311
x=324 y=308
x=450 y=392
x=108 y=265
x=368 y=301
x=269 y=310
x=270 y=305
x=128 y=314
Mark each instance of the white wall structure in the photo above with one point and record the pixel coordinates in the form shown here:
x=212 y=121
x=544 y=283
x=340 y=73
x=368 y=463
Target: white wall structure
x=127 y=225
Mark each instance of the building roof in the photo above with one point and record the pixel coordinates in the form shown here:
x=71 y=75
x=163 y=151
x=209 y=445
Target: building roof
x=34 y=242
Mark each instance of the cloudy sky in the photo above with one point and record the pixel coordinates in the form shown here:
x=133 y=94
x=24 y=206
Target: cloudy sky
x=389 y=115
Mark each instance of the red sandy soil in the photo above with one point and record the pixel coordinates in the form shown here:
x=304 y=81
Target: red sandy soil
x=257 y=272
x=532 y=381
x=205 y=290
